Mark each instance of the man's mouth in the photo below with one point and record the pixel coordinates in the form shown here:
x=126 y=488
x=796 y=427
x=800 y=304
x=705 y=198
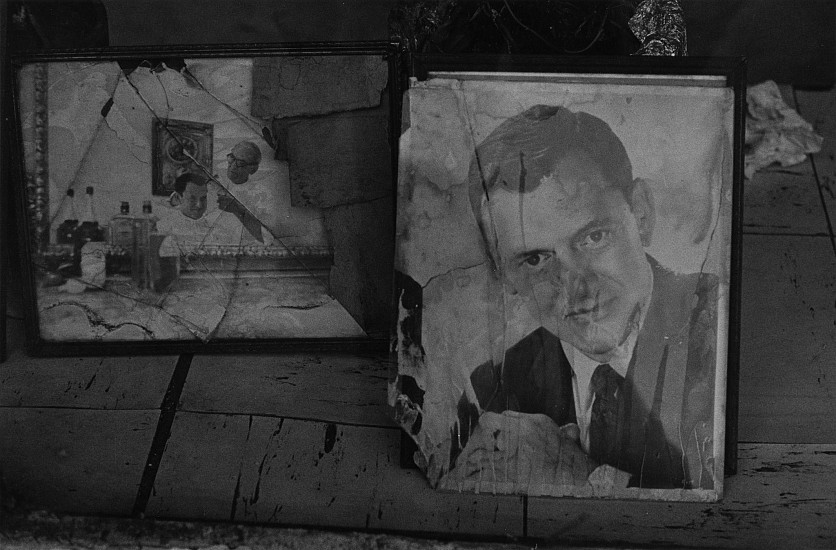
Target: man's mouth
x=578 y=312
x=588 y=310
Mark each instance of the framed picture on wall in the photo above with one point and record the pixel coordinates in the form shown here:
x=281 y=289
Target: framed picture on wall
x=567 y=264
x=179 y=146
x=206 y=199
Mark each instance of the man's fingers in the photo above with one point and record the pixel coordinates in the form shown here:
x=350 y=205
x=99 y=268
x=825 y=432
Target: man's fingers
x=571 y=431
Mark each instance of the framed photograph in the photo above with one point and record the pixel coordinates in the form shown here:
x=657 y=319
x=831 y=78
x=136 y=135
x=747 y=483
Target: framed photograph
x=206 y=199
x=179 y=146
x=567 y=274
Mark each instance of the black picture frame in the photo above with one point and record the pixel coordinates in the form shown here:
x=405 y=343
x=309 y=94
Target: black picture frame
x=408 y=392
x=5 y=116
x=5 y=209
x=314 y=261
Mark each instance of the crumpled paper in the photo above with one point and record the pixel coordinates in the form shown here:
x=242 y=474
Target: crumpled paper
x=774 y=131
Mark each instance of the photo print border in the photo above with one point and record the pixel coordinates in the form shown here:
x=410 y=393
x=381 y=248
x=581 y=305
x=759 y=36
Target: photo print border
x=351 y=254
x=452 y=386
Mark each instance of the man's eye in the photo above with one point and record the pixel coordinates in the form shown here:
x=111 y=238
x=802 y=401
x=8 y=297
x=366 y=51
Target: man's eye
x=595 y=239
x=533 y=260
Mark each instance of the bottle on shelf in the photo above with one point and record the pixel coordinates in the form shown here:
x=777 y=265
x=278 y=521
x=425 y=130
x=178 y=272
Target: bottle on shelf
x=65 y=233
x=142 y=259
x=89 y=229
x=121 y=239
x=121 y=227
x=148 y=214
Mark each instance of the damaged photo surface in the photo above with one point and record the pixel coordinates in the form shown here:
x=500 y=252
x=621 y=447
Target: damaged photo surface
x=180 y=199
x=563 y=268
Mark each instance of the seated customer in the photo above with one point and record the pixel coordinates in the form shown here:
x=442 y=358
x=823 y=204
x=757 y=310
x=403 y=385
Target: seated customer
x=192 y=227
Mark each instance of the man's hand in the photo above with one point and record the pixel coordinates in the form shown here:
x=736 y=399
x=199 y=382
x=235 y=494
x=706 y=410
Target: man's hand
x=527 y=450
x=226 y=201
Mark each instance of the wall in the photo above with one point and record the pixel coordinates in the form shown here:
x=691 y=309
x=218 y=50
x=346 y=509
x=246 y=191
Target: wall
x=789 y=41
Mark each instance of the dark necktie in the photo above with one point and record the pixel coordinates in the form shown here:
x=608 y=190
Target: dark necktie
x=605 y=385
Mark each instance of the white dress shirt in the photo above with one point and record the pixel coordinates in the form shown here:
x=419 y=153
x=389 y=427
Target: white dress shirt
x=215 y=228
x=583 y=367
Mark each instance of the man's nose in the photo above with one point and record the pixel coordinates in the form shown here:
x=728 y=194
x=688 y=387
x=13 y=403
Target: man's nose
x=573 y=277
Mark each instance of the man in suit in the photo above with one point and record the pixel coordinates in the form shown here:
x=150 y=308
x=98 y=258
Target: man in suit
x=622 y=367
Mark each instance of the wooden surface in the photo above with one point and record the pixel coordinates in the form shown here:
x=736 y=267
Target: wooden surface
x=88 y=462
x=123 y=383
x=788 y=340
x=818 y=109
x=784 y=200
x=306 y=440
x=348 y=388
x=782 y=497
x=291 y=472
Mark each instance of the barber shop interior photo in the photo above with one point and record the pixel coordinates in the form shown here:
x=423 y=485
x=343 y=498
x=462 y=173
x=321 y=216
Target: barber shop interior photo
x=417 y=274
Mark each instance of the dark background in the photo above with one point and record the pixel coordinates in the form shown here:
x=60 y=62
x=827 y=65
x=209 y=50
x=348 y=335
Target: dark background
x=789 y=41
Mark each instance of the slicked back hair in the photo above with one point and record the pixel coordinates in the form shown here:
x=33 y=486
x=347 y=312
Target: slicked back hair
x=183 y=180
x=529 y=146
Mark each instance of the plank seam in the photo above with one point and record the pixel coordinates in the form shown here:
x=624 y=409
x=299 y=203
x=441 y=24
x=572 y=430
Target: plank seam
x=823 y=202
x=72 y=407
x=388 y=426
x=781 y=233
x=168 y=410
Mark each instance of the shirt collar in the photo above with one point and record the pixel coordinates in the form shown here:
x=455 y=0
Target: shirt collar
x=620 y=361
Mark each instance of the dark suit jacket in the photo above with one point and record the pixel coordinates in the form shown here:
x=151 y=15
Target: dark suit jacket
x=665 y=418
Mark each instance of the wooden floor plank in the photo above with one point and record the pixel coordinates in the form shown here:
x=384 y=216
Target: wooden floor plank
x=292 y=472
x=330 y=388
x=788 y=340
x=784 y=200
x=199 y=470
x=82 y=382
x=818 y=107
x=782 y=497
x=79 y=461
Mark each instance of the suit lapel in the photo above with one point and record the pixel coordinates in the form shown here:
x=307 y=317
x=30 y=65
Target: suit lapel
x=656 y=382
x=538 y=378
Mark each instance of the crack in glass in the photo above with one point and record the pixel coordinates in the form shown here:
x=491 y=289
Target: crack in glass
x=210 y=249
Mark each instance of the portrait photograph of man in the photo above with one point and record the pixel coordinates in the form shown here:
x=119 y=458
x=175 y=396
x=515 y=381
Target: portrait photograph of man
x=567 y=253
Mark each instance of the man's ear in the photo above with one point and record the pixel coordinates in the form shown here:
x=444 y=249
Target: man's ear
x=175 y=199
x=643 y=209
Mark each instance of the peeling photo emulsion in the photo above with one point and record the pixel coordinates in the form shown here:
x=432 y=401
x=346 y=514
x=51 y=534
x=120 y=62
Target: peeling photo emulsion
x=161 y=206
x=563 y=258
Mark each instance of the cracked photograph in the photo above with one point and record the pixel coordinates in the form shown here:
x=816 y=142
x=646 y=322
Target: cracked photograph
x=207 y=199
x=563 y=273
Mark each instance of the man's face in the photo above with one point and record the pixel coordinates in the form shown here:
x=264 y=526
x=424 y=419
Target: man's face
x=241 y=162
x=193 y=203
x=574 y=246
